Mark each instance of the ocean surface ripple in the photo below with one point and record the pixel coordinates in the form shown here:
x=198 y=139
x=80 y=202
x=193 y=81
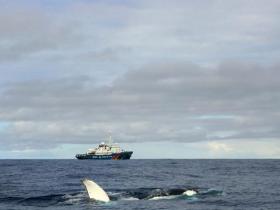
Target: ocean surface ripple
x=141 y=184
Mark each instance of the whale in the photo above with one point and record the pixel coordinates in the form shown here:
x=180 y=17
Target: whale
x=95 y=192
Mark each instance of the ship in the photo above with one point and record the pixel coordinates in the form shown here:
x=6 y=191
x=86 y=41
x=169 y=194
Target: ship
x=106 y=151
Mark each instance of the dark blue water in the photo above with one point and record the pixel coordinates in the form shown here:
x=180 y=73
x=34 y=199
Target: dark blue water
x=221 y=184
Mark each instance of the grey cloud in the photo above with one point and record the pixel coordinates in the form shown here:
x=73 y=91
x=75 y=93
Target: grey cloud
x=201 y=32
x=165 y=102
x=166 y=99
x=25 y=32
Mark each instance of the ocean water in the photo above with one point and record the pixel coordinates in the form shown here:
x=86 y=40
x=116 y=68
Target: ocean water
x=141 y=184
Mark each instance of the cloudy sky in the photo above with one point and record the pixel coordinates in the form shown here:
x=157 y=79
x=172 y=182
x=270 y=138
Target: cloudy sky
x=169 y=79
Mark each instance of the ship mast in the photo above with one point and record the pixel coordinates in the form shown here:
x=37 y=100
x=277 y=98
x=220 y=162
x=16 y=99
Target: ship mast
x=110 y=139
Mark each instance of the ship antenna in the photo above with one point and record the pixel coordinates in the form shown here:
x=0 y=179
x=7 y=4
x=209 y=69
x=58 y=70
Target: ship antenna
x=110 y=138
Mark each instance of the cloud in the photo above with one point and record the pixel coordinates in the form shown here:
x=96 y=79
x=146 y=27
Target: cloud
x=244 y=148
x=219 y=147
x=203 y=32
x=28 y=31
x=147 y=70
x=166 y=102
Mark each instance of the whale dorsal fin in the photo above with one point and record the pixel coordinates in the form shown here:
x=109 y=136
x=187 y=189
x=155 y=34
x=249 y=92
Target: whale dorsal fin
x=95 y=191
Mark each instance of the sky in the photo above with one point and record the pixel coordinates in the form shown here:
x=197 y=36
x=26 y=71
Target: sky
x=168 y=79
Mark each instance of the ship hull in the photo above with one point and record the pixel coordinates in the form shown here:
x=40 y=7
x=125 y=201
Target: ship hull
x=114 y=156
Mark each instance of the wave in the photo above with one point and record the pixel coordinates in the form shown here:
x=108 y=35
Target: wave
x=43 y=201
x=46 y=200
x=152 y=194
